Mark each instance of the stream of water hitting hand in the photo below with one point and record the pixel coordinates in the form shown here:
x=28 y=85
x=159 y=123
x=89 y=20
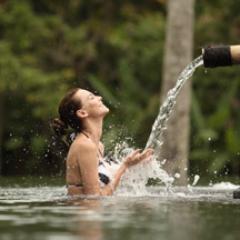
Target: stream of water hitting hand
x=137 y=177
x=155 y=138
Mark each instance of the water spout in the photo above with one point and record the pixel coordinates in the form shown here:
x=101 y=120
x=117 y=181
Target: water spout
x=220 y=56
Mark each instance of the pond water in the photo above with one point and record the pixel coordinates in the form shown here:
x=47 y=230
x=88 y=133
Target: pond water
x=47 y=213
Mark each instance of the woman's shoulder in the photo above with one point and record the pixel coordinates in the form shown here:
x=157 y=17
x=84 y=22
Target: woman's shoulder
x=85 y=151
x=82 y=143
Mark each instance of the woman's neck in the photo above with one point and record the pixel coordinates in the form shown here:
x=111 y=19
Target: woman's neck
x=93 y=129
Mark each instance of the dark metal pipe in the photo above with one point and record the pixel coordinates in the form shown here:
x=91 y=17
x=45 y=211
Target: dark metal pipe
x=219 y=56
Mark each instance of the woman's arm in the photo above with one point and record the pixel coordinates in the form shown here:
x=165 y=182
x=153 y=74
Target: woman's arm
x=89 y=169
x=111 y=187
x=88 y=162
x=87 y=158
x=132 y=159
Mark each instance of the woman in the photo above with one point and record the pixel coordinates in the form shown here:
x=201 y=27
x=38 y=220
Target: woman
x=84 y=113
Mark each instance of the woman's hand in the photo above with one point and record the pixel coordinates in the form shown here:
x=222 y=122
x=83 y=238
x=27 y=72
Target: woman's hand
x=137 y=156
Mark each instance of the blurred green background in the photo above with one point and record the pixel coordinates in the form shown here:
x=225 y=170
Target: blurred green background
x=114 y=48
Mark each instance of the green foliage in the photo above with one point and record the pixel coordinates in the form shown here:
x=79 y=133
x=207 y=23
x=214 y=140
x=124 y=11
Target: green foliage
x=116 y=49
x=47 y=47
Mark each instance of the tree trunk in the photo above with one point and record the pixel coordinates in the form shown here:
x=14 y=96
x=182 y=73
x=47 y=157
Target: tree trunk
x=1 y=131
x=178 y=54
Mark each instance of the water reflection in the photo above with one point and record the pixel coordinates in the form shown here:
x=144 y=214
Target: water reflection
x=46 y=213
x=88 y=224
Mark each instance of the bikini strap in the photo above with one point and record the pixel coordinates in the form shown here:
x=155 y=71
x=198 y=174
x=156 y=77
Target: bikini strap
x=85 y=134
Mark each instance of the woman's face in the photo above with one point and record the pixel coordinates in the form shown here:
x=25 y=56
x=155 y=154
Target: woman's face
x=92 y=104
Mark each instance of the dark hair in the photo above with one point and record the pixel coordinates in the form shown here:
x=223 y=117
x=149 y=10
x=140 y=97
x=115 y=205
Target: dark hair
x=67 y=114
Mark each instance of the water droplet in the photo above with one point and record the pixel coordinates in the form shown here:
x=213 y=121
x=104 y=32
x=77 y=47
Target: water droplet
x=177 y=175
x=196 y=179
x=163 y=161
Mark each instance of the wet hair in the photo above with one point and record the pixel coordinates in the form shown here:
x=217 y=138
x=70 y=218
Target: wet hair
x=67 y=114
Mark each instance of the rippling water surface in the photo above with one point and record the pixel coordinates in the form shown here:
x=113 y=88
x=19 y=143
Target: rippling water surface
x=46 y=213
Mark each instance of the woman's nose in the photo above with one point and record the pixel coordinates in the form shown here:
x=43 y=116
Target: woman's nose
x=100 y=98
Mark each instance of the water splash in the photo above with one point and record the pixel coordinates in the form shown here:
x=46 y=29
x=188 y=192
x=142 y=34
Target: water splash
x=135 y=180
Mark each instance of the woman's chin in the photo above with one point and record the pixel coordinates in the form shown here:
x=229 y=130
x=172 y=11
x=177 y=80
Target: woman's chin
x=106 y=110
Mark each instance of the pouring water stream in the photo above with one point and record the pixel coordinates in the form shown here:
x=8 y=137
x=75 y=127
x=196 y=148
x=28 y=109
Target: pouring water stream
x=137 y=177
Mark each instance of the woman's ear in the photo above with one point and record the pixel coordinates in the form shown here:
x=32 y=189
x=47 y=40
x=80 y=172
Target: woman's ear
x=82 y=113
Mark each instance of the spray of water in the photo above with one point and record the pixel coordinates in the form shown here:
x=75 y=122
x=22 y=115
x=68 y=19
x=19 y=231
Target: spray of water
x=134 y=182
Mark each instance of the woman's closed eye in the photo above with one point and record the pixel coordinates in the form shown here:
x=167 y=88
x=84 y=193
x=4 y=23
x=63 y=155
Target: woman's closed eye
x=91 y=96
